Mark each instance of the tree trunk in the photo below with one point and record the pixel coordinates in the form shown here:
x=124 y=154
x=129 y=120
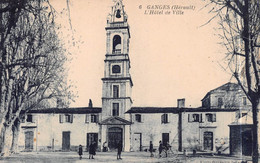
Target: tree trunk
x=2 y=133
x=16 y=130
x=7 y=141
x=255 y=108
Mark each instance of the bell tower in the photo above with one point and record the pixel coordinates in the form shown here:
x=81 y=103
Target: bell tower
x=117 y=82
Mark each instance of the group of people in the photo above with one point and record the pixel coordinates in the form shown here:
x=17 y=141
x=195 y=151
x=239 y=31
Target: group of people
x=162 y=147
x=92 y=150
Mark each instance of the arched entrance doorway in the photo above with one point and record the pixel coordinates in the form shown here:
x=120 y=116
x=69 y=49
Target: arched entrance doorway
x=115 y=134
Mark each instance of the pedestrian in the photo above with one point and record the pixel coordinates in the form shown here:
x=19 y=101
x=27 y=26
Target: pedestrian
x=168 y=148
x=119 y=150
x=151 y=148
x=160 y=148
x=105 y=147
x=92 y=150
x=80 y=152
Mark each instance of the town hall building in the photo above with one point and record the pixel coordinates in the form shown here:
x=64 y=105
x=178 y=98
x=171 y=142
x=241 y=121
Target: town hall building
x=206 y=128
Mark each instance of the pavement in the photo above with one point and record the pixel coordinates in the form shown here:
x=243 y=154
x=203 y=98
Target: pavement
x=127 y=157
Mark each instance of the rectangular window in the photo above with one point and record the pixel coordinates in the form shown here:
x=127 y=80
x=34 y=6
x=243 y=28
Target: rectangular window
x=94 y=118
x=195 y=118
x=244 y=101
x=68 y=118
x=211 y=117
x=115 y=91
x=115 y=109
x=164 y=118
x=138 y=118
x=29 y=118
x=220 y=102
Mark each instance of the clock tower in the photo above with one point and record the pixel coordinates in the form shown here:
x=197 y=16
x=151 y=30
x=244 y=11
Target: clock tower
x=117 y=82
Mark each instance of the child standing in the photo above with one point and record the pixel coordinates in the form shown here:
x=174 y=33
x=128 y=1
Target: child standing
x=80 y=151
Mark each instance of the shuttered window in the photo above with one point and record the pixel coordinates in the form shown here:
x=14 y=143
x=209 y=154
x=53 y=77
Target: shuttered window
x=164 y=118
x=68 y=118
x=211 y=117
x=87 y=118
x=61 y=118
x=94 y=118
x=195 y=118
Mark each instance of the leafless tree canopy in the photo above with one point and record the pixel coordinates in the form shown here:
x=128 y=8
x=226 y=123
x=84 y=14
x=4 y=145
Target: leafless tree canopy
x=239 y=21
x=32 y=59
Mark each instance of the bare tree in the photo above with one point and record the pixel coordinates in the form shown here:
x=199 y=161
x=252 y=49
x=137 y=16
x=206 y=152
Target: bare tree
x=31 y=64
x=239 y=21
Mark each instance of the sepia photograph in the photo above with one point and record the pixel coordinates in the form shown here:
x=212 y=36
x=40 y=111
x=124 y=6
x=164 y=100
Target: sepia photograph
x=134 y=81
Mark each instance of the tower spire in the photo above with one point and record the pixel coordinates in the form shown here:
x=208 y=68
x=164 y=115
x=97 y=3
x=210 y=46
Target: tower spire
x=117 y=82
x=118 y=13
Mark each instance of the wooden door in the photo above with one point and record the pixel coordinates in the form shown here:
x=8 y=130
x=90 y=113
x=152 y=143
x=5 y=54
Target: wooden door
x=208 y=141
x=247 y=143
x=137 y=144
x=165 y=138
x=92 y=137
x=66 y=141
x=29 y=140
x=114 y=136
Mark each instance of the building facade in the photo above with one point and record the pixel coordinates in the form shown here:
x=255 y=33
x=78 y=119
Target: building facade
x=59 y=129
x=212 y=127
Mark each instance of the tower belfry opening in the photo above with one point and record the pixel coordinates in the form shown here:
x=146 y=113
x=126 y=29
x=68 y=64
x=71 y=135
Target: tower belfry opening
x=117 y=44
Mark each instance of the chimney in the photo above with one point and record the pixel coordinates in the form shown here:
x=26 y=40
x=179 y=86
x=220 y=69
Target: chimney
x=90 y=103
x=181 y=103
x=59 y=103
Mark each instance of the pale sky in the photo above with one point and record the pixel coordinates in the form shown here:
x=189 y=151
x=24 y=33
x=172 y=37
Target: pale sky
x=171 y=55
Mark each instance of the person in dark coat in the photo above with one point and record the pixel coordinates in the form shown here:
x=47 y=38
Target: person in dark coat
x=151 y=148
x=80 y=152
x=160 y=148
x=119 y=150
x=92 y=150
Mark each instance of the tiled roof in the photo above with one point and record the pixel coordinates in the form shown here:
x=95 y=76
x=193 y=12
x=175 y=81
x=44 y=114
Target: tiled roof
x=76 y=110
x=174 y=110
x=227 y=87
x=153 y=110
